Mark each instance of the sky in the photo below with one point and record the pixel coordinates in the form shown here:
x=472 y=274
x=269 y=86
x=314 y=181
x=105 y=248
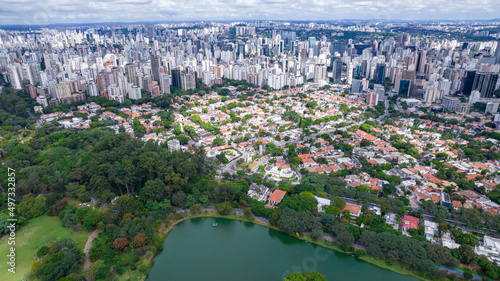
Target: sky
x=30 y=12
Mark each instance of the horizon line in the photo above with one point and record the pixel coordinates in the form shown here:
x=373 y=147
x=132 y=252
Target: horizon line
x=246 y=20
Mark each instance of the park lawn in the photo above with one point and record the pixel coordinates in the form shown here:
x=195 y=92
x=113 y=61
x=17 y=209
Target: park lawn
x=32 y=233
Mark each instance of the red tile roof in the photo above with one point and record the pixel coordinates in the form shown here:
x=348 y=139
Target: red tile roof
x=353 y=209
x=277 y=196
x=410 y=222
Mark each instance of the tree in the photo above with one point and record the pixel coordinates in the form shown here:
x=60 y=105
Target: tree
x=35 y=266
x=247 y=212
x=300 y=202
x=273 y=218
x=295 y=277
x=42 y=251
x=292 y=221
x=316 y=234
x=332 y=210
x=365 y=143
x=153 y=190
x=120 y=243
x=139 y=130
x=140 y=240
x=305 y=276
x=91 y=272
x=179 y=198
x=343 y=237
x=466 y=254
x=224 y=92
x=194 y=208
x=218 y=141
x=337 y=202
x=224 y=208
x=441 y=255
x=468 y=275
x=62 y=260
x=127 y=204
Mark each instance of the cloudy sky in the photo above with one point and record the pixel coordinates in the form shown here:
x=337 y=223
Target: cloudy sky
x=91 y=11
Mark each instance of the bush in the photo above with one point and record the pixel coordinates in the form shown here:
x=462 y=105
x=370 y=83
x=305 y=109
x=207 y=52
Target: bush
x=359 y=253
x=42 y=251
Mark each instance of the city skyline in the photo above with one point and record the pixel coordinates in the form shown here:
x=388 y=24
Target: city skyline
x=28 y=12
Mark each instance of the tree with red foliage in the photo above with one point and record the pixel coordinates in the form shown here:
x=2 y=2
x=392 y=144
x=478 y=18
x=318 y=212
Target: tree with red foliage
x=140 y=240
x=120 y=243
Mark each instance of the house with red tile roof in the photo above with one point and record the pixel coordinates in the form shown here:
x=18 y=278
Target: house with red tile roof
x=276 y=197
x=456 y=204
x=354 y=210
x=410 y=222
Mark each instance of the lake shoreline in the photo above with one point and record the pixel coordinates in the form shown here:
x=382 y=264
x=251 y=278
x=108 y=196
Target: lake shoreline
x=396 y=267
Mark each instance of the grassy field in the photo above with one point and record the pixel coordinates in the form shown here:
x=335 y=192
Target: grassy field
x=33 y=233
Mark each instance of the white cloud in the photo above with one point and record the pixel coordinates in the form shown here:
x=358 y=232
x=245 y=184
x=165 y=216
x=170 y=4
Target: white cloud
x=76 y=11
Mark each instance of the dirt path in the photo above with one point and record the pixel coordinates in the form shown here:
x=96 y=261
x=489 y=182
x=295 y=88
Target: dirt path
x=86 y=249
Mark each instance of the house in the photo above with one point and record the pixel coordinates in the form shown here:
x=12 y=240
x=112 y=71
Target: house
x=431 y=229
x=490 y=247
x=354 y=210
x=276 y=197
x=448 y=242
x=445 y=200
x=322 y=203
x=390 y=219
x=457 y=204
x=410 y=222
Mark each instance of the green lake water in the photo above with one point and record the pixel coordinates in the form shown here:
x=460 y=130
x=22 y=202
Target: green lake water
x=235 y=250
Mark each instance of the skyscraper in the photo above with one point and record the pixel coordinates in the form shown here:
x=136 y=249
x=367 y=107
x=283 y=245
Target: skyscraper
x=467 y=82
x=155 y=67
x=176 y=78
x=188 y=80
x=404 y=87
x=14 y=80
x=420 y=57
x=497 y=54
x=130 y=73
x=165 y=84
x=319 y=73
x=380 y=73
x=372 y=98
x=485 y=83
x=35 y=72
x=337 y=70
x=312 y=42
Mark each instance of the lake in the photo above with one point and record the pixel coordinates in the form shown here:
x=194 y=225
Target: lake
x=235 y=250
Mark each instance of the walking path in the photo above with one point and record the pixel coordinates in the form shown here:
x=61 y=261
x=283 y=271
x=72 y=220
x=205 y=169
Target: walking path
x=86 y=249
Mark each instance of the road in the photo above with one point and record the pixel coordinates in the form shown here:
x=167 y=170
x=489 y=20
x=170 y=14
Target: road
x=386 y=103
x=229 y=167
x=462 y=225
x=263 y=160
